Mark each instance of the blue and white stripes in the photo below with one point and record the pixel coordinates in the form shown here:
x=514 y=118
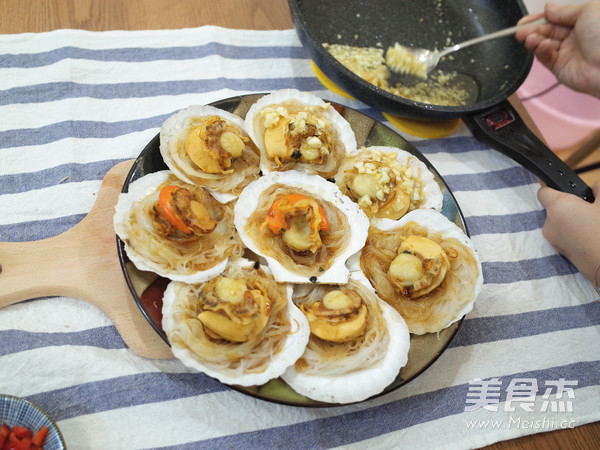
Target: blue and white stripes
x=73 y=104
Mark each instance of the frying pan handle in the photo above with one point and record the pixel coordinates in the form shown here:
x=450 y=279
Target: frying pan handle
x=501 y=128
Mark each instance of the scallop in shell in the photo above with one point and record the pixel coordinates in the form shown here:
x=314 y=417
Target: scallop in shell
x=207 y=146
x=387 y=182
x=356 y=368
x=297 y=130
x=203 y=323
x=425 y=266
x=153 y=244
x=302 y=225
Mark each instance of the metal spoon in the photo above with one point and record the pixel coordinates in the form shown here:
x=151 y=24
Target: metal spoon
x=420 y=61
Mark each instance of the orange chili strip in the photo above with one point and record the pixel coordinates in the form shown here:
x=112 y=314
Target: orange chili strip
x=40 y=436
x=22 y=432
x=21 y=438
x=324 y=223
x=276 y=220
x=4 y=432
x=165 y=207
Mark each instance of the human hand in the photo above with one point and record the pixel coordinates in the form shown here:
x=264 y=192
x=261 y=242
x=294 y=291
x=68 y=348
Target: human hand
x=569 y=44
x=572 y=227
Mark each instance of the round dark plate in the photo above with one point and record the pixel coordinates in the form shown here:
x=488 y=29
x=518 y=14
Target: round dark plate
x=147 y=289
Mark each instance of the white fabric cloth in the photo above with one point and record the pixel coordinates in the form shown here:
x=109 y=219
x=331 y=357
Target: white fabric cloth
x=74 y=103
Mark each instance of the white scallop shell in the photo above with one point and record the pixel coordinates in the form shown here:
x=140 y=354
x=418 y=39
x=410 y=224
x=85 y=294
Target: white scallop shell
x=253 y=127
x=321 y=188
x=170 y=132
x=434 y=198
x=358 y=385
x=139 y=189
x=436 y=221
x=293 y=348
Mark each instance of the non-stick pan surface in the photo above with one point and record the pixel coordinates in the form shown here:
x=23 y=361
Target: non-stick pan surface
x=491 y=71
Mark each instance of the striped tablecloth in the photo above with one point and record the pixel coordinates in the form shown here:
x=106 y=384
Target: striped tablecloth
x=75 y=103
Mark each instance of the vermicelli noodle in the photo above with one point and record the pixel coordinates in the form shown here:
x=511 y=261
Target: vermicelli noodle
x=306 y=263
x=435 y=310
x=230 y=358
x=328 y=358
x=183 y=256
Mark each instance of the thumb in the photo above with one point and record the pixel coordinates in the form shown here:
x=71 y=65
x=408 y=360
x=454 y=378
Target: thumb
x=530 y=18
x=547 y=196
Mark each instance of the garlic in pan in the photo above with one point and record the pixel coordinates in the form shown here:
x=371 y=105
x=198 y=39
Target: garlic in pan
x=302 y=224
x=175 y=229
x=425 y=267
x=207 y=146
x=358 y=343
x=240 y=327
x=387 y=182
x=297 y=130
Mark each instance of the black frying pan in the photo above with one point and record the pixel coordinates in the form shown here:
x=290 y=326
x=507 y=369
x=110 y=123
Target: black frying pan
x=493 y=70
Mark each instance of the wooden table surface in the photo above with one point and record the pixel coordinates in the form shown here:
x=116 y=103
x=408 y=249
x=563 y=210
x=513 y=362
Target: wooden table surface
x=19 y=16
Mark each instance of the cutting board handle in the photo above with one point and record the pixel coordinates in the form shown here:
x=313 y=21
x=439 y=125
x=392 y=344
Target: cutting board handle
x=82 y=263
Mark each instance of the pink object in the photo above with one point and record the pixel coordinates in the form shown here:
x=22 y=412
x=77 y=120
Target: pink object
x=564 y=117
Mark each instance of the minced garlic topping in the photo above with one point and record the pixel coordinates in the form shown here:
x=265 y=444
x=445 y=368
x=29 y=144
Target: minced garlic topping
x=371 y=181
x=369 y=64
x=303 y=131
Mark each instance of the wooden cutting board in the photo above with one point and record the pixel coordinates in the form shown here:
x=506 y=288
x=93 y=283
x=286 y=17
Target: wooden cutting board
x=82 y=263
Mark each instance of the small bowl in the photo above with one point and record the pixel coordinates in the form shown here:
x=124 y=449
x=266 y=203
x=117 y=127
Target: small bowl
x=18 y=411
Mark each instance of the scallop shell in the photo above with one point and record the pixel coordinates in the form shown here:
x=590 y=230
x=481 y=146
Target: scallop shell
x=435 y=221
x=295 y=342
x=433 y=195
x=256 y=130
x=359 y=385
x=172 y=134
x=320 y=188
x=139 y=189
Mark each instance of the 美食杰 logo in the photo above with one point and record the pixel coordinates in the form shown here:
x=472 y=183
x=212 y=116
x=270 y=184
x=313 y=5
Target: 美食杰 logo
x=521 y=393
